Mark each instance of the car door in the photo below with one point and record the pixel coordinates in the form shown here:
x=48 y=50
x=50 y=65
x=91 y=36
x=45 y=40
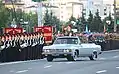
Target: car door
x=85 y=50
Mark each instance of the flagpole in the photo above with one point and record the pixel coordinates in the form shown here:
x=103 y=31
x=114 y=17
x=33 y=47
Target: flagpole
x=39 y=13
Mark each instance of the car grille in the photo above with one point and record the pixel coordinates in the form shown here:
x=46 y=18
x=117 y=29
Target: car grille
x=57 y=50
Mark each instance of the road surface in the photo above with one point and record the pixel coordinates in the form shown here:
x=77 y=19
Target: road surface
x=107 y=63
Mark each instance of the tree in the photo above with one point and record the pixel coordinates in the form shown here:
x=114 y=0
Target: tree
x=32 y=20
x=4 y=15
x=90 y=20
x=70 y=20
x=83 y=20
x=51 y=20
x=97 y=23
x=109 y=26
x=47 y=18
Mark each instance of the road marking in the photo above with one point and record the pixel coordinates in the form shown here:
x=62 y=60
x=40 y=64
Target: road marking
x=59 y=62
x=12 y=63
x=102 y=71
x=102 y=58
x=48 y=66
x=21 y=71
x=11 y=71
x=29 y=68
x=117 y=67
x=69 y=62
x=116 y=56
x=9 y=63
x=112 y=50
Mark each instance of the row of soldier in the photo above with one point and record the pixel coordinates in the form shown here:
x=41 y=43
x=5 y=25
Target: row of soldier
x=21 y=46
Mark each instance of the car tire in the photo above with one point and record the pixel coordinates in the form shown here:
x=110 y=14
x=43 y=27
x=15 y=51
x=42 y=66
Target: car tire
x=49 y=58
x=70 y=58
x=93 y=56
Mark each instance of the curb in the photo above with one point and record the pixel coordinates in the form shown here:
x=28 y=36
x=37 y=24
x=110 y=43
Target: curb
x=17 y=62
x=111 y=50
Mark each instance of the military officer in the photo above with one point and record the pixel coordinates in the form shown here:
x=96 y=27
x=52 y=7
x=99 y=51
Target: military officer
x=3 y=52
x=1 y=44
x=42 y=43
x=29 y=46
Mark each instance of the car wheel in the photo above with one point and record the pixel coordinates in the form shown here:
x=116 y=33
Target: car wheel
x=70 y=58
x=93 y=56
x=49 y=58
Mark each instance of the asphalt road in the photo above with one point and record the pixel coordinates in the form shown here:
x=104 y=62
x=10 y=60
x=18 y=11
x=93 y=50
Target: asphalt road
x=107 y=63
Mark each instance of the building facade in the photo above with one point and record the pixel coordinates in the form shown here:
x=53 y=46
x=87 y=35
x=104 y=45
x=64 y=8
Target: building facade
x=64 y=9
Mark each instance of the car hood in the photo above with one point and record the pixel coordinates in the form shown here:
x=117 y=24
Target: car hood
x=62 y=46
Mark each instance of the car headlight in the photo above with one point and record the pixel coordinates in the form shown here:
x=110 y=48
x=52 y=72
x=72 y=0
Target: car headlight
x=46 y=50
x=67 y=50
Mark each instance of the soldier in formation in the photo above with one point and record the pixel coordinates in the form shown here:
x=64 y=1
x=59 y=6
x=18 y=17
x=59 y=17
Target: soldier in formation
x=21 y=46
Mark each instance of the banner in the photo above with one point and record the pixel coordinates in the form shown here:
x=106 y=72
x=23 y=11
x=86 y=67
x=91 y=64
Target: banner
x=13 y=30
x=48 y=32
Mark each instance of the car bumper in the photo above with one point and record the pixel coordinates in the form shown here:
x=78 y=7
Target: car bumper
x=56 y=54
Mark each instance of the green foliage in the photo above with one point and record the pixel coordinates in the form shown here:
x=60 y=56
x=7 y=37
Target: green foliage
x=78 y=22
x=4 y=13
x=32 y=19
x=83 y=20
x=110 y=26
x=90 y=20
x=47 y=18
x=97 y=25
x=51 y=20
x=70 y=20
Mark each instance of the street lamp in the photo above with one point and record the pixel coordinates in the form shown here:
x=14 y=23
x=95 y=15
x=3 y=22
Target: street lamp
x=14 y=13
x=115 y=25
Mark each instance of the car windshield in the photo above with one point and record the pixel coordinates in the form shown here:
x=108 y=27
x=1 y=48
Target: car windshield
x=66 y=41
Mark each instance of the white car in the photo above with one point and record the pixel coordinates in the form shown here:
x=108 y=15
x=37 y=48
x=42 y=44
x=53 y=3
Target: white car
x=71 y=48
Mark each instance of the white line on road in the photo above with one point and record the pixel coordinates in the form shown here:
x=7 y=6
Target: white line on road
x=22 y=71
x=102 y=71
x=69 y=62
x=12 y=63
x=11 y=71
x=48 y=66
x=17 y=62
x=112 y=50
x=102 y=58
x=117 y=67
x=116 y=56
x=29 y=68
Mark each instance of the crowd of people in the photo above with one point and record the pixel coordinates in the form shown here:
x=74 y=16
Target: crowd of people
x=21 y=46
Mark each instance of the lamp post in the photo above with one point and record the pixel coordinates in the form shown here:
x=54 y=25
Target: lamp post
x=14 y=13
x=115 y=25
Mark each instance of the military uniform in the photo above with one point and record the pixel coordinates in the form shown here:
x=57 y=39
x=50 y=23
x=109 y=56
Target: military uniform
x=3 y=52
x=1 y=47
x=29 y=47
x=42 y=43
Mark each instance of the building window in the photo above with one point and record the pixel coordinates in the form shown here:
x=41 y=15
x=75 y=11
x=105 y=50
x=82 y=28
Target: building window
x=62 y=17
x=61 y=11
